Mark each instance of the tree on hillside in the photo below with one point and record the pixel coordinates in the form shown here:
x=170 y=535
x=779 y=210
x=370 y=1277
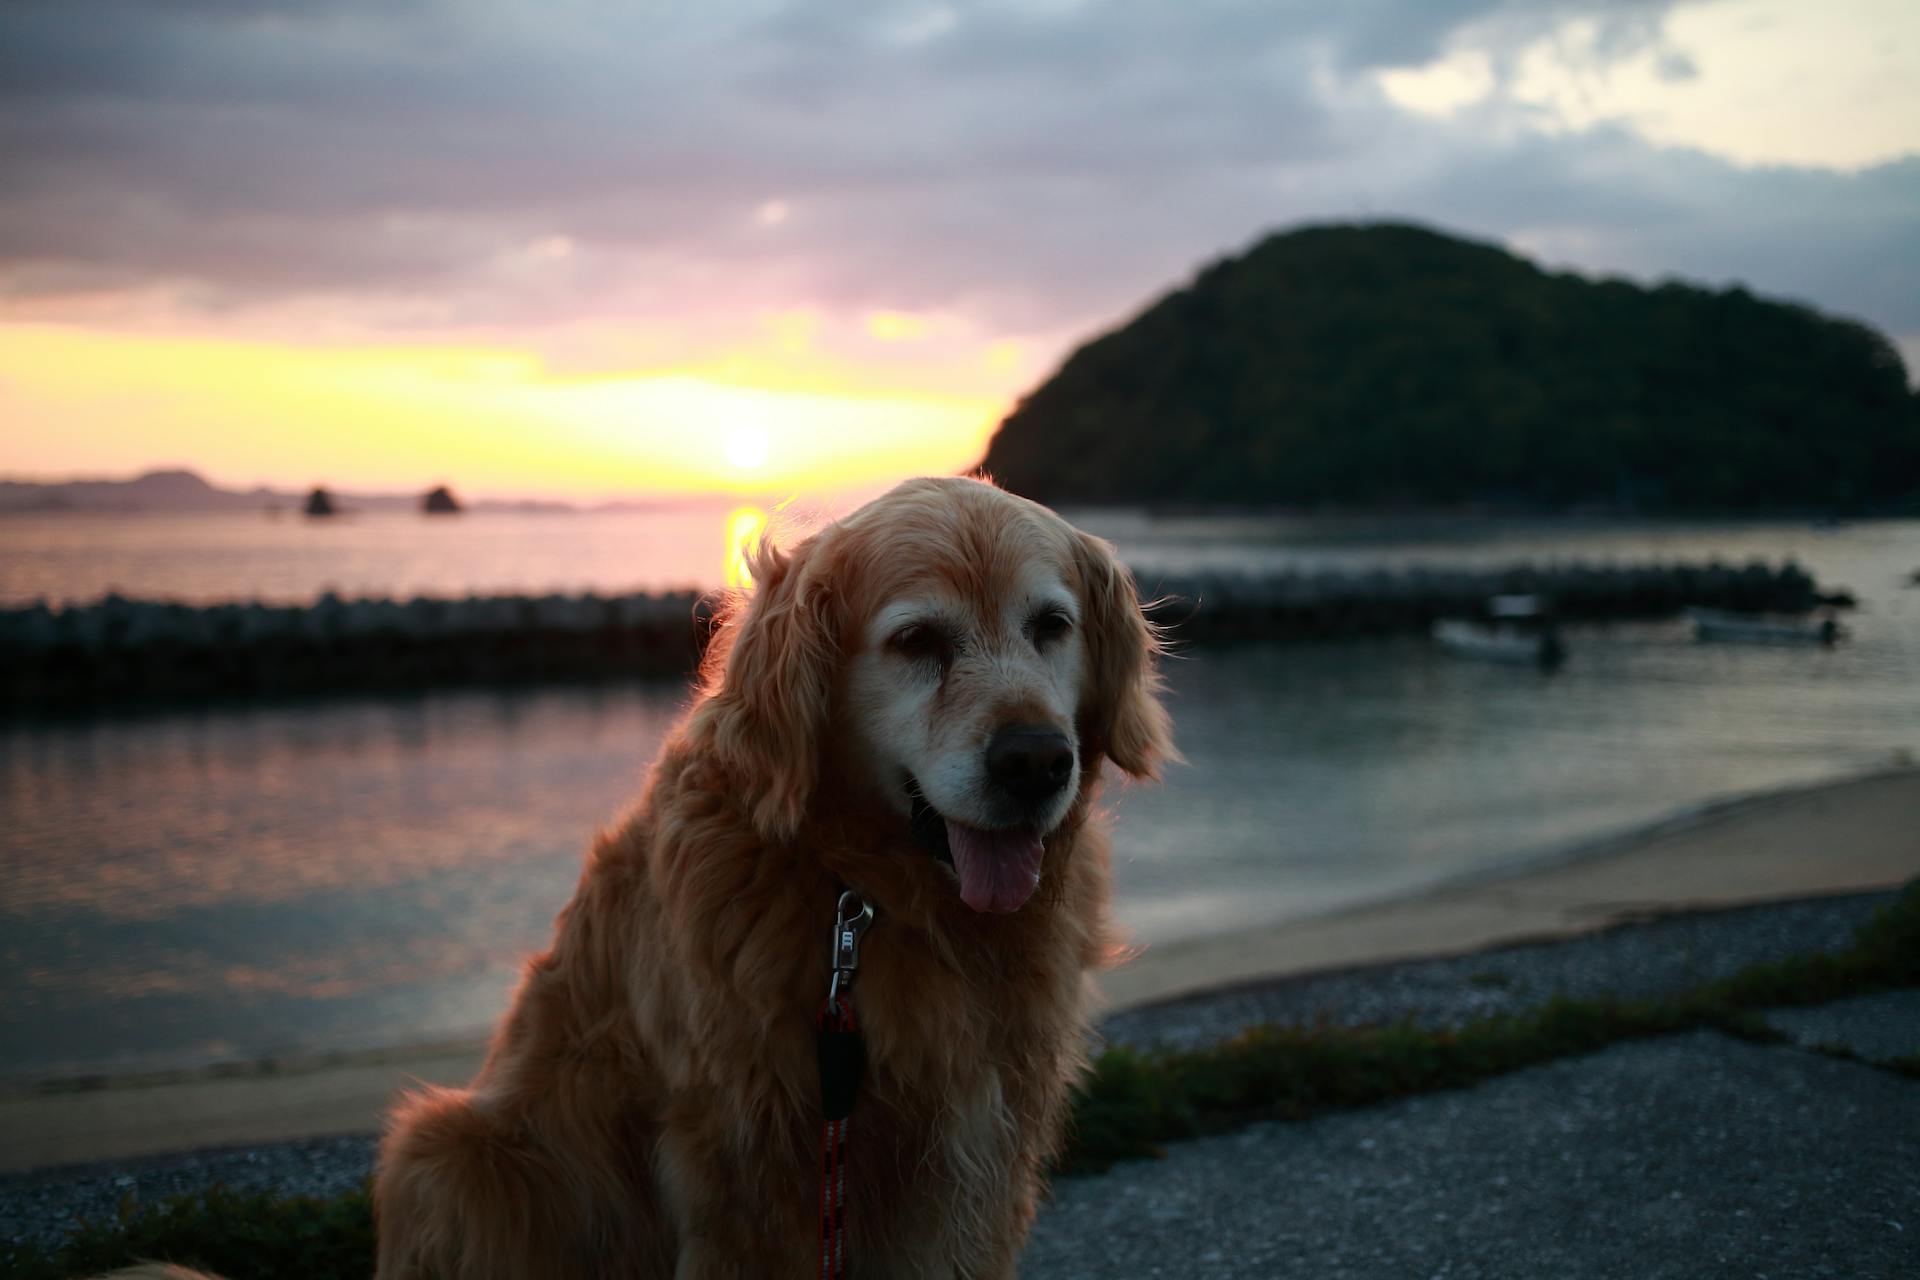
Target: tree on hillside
x=1390 y=364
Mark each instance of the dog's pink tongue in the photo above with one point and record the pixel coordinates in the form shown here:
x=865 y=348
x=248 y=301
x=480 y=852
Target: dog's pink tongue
x=999 y=870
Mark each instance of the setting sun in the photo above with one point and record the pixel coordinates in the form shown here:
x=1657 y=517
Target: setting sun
x=494 y=420
x=746 y=447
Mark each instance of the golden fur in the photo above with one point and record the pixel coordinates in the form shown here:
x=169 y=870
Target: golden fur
x=649 y=1105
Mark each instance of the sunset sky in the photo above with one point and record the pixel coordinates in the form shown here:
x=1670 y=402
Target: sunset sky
x=579 y=249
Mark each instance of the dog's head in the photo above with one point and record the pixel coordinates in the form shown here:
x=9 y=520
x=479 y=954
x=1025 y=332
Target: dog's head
x=967 y=654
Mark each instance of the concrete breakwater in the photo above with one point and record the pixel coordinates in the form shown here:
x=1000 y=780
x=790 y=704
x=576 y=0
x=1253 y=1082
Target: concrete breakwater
x=119 y=651
x=1298 y=605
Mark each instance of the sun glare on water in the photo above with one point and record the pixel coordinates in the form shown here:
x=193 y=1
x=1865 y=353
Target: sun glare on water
x=745 y=527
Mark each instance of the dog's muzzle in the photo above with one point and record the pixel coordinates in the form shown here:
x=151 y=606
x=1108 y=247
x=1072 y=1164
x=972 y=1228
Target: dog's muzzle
x=1029 y=763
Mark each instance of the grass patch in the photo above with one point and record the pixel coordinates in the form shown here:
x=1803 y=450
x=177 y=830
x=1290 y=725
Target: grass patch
x=1130 y=1106
x=1135 y=1102
x=249 y=1237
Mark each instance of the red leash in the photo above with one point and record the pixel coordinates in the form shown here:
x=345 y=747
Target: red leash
x=833 y=1158
x=843 y=1061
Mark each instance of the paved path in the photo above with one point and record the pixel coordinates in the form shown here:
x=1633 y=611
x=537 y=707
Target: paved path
x=1690 y=1156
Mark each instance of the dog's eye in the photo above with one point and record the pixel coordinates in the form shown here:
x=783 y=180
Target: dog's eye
x=923 y=643
x=1047 y=626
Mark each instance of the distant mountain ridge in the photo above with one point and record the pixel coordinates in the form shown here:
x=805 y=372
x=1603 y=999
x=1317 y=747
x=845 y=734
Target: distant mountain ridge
x=1390 y=365
x=180 y=490
x=173 y=489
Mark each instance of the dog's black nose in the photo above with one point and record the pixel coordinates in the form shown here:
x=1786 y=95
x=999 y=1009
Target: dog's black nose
x=1029 y=761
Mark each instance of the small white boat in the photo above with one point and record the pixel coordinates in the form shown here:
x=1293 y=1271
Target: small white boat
x=1517 y=629
x=1741 y=628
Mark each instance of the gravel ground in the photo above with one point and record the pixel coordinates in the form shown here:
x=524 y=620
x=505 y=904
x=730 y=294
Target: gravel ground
x=1648 y=959
x=1660 y=957
x=43 y=1204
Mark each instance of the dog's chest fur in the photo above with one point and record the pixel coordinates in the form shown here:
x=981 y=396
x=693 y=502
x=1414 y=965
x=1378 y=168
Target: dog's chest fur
x=972 y=1037
x=960 y=1112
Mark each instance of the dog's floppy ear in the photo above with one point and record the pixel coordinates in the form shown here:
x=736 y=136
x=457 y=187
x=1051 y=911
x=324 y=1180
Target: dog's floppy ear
x=771 y=680
x=1123 y=717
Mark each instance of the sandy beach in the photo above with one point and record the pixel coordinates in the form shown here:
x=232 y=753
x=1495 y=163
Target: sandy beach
x=1844 y=837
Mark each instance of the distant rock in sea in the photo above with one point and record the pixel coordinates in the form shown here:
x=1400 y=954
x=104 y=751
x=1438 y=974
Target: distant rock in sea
x=177 y=489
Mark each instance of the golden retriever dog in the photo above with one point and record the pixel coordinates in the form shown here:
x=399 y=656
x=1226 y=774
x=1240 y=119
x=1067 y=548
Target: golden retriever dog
x=913 y=706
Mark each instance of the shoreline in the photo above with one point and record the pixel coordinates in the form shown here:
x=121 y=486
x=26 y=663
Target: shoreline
x=1847 y=836
x=1741 y=850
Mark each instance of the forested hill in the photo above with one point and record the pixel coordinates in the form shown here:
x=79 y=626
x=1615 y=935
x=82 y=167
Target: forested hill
x=1391 y=365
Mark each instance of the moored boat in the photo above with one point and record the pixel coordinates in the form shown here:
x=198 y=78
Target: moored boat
x=1741 y=628
x=1516 y=628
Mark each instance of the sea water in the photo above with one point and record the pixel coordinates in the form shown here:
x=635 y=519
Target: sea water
x=192 y=886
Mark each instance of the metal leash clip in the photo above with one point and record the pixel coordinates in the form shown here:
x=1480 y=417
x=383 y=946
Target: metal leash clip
x=850 y=921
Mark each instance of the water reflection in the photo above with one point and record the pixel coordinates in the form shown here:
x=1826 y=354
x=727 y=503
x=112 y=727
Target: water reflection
x=358 y=871
x=225 y=556
x=745 y=527
x=131 y=819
